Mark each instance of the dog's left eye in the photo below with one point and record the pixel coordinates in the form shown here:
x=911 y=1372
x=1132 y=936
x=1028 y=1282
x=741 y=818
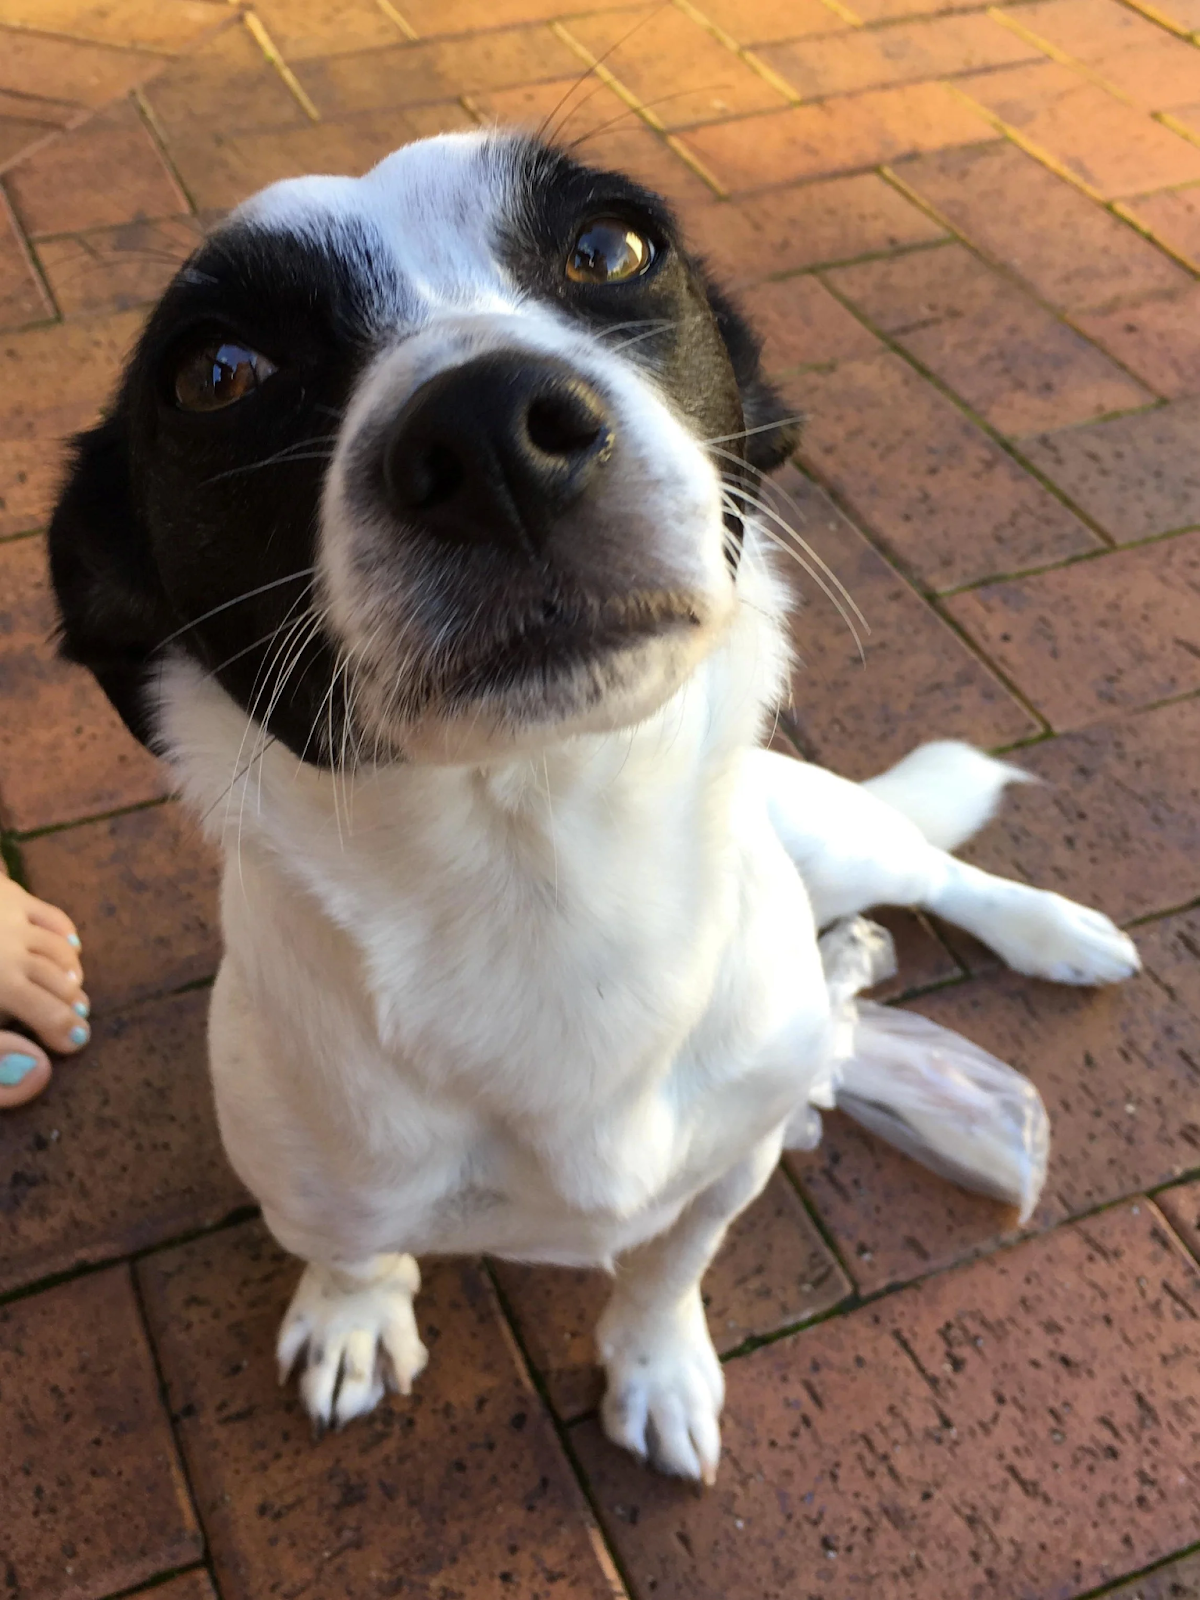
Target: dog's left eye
x=607 y=250
x=219 y=373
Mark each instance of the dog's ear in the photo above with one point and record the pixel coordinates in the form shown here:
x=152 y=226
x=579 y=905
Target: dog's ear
x=112 y=614
x=772 y=428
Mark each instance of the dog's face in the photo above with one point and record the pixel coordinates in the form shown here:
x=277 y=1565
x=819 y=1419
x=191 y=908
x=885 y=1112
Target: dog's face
x=429 y=464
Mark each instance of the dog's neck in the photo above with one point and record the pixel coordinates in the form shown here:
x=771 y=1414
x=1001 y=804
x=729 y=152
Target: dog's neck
x=566 y=818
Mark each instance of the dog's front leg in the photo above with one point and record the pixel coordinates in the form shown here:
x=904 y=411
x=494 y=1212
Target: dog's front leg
x=665 y=1386
x=352 y=1325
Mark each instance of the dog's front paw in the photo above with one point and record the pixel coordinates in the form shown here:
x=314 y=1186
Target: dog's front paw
x=1046 y=936
x=356 y=1334
x=665 y=1387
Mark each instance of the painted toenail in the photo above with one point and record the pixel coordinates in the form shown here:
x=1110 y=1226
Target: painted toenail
x=73 y=941
x=14 y=1069
x=79 y=1034
x=82 y=1009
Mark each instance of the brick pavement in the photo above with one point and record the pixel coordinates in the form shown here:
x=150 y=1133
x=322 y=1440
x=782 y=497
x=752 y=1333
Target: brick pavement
x=972 y=237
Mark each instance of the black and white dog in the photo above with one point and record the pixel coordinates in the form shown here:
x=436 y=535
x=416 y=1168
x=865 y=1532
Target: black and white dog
x=423 y=539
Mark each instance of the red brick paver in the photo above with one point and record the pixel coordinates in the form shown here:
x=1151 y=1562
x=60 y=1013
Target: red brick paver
x=92 y=1497
x=1176 y=1580
x=1182 y=1206
x=113 y=269
x=1012 y=361
x=1124 y=49
x=970 y=237
x=1116 y=823
x=122 y=1150
x=47 y=703
x=105 y=173
x=1074 y=255
x=982 y=1434
x=846 y=134
x=1109 y=147
x=1133 y=476
x=910 y=52
x=1157 y=340
x=1173 y=218
x=1080 y=640
x=927 y=683
x=943 y=498
x=464 y=1485
x=648 y=50
x=194 y=1585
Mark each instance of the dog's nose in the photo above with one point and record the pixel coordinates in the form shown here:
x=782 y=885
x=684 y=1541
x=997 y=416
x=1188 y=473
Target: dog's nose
x=494 y=451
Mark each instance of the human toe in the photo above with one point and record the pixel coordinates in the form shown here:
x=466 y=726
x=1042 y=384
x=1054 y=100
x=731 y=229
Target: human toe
x=24 y=1070
x=61 y=1024
x=53 y=947
x=43 y=915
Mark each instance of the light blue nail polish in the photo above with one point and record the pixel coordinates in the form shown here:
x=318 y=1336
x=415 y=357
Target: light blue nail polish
x=79 y=1034
x=14 y=1069
x=73 y=941
x=82 y=1009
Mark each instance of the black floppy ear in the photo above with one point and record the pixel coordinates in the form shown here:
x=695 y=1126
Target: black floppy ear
x=112 y=615
x=772 y=428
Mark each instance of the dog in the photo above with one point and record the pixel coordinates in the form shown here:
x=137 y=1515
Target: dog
x=425 y=538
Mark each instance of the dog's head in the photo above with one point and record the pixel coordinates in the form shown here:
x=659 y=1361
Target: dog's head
x=443 y=459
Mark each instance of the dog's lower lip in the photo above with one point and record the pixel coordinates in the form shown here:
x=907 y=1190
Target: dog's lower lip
x=564 y=639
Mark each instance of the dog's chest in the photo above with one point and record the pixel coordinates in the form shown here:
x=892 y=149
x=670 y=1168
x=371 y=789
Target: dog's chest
x=535 y=963
x=543 y=1037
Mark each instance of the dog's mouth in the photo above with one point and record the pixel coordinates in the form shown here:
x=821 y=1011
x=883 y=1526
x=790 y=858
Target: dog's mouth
x=550 y=662
x=559 y=638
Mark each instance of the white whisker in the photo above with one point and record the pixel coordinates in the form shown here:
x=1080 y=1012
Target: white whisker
x=767 y=510
x=805 y=566
x=292 y=577
x=748 y=433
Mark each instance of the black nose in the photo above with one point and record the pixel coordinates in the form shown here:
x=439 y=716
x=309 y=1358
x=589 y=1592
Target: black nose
x=494 y=451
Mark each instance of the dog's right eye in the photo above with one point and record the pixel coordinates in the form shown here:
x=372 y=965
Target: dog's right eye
x=607 y=250
x=219 y=373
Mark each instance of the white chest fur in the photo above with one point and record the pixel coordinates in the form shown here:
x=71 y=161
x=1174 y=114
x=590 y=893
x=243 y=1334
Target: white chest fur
x=530 y=1009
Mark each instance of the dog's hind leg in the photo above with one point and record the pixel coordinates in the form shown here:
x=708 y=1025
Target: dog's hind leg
x=353 y=1328
x=887 y=842
x=665 y=1385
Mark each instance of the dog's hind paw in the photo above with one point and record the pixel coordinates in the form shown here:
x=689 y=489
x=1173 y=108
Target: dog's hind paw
x=356 y=1335
x=1046 y=936
x=665 y=1388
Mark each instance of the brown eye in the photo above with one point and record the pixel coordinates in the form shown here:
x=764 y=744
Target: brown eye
x=608 y=251
x=218 y=373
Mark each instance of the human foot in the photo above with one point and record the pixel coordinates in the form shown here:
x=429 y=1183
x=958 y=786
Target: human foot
x=41 y=976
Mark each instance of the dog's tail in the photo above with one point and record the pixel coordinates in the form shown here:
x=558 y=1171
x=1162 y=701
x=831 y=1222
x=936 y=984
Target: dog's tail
x=948 y=789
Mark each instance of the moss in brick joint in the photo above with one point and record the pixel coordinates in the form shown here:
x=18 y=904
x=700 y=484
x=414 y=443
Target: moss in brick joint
x=11 y=858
